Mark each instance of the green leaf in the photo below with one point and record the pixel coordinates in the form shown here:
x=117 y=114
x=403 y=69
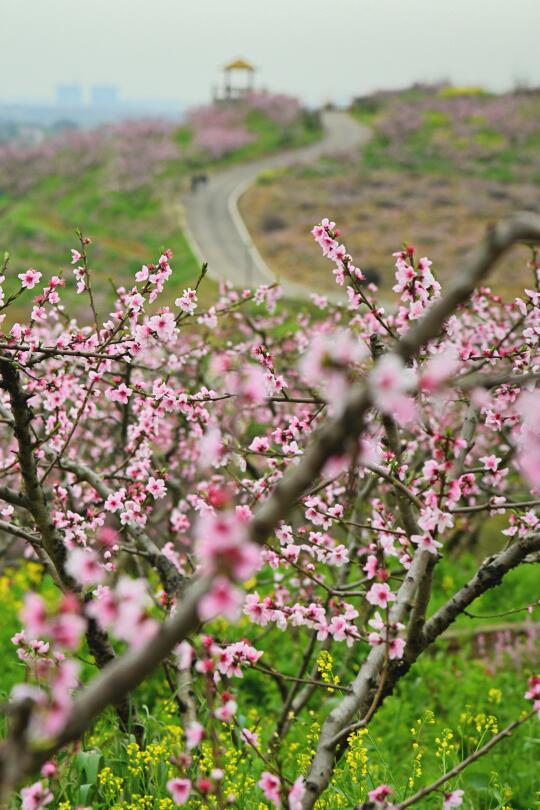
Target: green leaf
x=84 y=793
x=87 y=762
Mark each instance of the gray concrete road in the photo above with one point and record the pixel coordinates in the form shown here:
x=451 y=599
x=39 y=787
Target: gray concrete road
x=212 y=222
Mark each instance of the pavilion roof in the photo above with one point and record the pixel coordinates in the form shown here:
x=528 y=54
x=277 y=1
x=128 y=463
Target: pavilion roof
x=239 y=64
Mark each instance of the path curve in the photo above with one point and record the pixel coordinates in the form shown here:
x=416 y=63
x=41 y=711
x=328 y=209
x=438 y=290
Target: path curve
x=213 y=225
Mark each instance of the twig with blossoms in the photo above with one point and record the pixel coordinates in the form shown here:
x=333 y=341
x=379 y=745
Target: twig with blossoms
x=83 y=274
x=326 y=234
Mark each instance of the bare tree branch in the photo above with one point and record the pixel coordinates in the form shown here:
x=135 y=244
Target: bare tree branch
x=35 y=499
x=13 y=497
x=489 y=575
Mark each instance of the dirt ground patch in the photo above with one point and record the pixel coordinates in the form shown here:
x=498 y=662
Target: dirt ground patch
x=377 y=211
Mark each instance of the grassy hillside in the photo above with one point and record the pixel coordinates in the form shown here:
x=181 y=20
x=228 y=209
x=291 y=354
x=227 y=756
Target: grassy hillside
x=122 y=187
x=442 y=163
x=455 y=131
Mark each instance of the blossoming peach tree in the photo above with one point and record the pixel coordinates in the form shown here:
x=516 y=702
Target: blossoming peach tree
x=173 y=468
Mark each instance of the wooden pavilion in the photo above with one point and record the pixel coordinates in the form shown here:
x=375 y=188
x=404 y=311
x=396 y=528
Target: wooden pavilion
x=238 y=80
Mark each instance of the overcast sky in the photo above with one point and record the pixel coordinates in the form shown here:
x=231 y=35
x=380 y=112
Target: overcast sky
x=317 y=49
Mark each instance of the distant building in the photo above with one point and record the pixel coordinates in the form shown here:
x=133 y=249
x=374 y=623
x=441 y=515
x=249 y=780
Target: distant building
x=103 y=95
x=69 y=95
x=238 y=80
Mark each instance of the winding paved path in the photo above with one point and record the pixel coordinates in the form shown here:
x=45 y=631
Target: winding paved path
x=214 y=227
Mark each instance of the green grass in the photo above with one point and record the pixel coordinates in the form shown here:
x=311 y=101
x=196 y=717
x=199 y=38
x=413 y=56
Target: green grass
x=453 y=693
x=127 y=228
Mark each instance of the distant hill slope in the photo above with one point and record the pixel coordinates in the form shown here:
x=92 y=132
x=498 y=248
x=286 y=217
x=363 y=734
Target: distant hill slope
x=121 y=184
x=442 y=164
